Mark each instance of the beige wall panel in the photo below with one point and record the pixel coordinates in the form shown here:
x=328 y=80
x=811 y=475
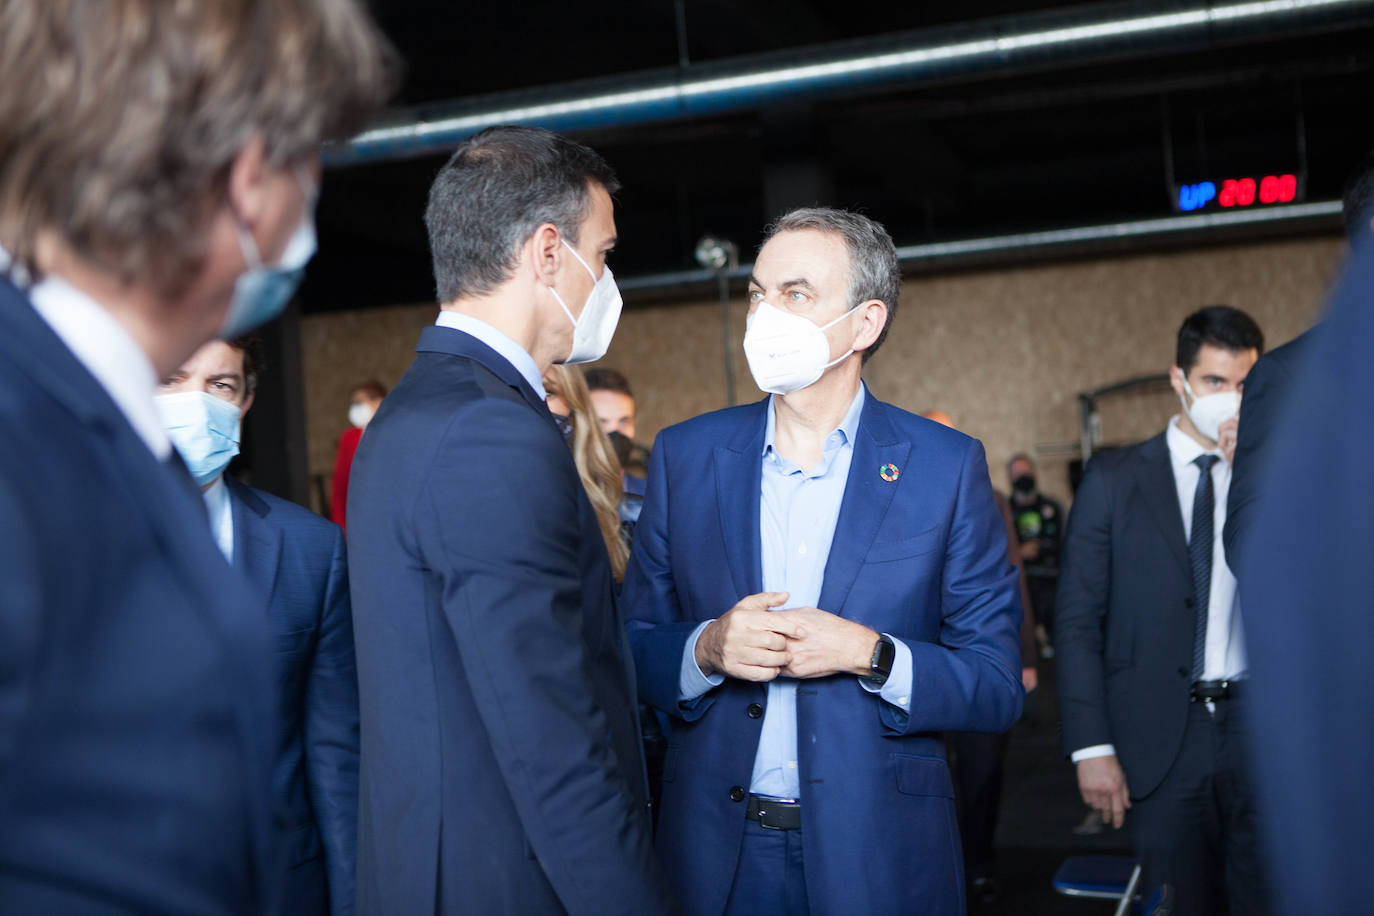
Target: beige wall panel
x=1003 y=351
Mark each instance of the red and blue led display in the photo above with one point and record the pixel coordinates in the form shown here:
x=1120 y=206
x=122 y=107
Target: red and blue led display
x=1238 y=192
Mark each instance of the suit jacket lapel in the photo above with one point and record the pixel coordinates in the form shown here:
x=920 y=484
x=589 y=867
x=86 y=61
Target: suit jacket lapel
x=739 y=477
x=867 y=497
x=1155 y=476
x=257 y=545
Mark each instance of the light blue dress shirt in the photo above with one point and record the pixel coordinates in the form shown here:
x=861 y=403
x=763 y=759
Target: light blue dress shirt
x=797 y=514
x=514 y=354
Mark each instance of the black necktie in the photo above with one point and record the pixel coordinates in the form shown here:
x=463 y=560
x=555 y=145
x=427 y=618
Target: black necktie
x=1200 y=552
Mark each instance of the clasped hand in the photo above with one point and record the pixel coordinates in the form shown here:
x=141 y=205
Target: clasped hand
x=754 y=643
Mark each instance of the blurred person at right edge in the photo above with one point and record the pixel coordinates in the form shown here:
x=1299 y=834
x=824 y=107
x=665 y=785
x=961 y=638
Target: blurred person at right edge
x=977 y=759
x=1301 y=537
x=362 y=405
x=1150 y=659
x=158 y=170
x=1039 y=527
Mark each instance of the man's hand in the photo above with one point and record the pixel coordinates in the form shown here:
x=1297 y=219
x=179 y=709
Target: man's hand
x=826 y=644
x=1103 y=787
x=748 y=641
x=1030 y=550
x=1030 y=678
x=1226 y=438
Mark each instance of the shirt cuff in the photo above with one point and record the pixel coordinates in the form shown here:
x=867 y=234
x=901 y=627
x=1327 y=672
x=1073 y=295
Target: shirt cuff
x=691 y=683
x=897 y=688
x=1097 y=750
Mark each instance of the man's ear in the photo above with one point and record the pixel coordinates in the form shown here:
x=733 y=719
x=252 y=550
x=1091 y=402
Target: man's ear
x=247 y=181
x=247 y=403
x=1176 y=380
x=874 y=313
x=545 y=250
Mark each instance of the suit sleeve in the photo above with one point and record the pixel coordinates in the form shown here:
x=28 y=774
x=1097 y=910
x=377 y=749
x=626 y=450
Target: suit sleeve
x=331 y=733
x=971 y=679
x=500 y=528
x=1080 y=613
x=658 y=635
x=1265 y=387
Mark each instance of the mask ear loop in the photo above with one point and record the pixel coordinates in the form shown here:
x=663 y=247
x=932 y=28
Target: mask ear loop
x=850 y=351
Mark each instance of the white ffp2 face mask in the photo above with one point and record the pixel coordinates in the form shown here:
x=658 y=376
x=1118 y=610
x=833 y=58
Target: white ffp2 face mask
x=592 y=332
x=1210 y=411
x=787 y=352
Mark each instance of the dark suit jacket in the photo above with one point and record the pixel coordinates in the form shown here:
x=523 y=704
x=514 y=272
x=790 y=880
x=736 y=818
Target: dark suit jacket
x=922 y=557
x=136 y=715
x=1124 y=618
x=502 y=770
x=294 y=561
x=1267 y=388
x=1309 y=621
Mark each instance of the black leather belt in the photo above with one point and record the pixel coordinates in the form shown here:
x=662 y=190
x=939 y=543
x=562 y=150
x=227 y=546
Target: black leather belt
x=775 y=813
x=1216 y=690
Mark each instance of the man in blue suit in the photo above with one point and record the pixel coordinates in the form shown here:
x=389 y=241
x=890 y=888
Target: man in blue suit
x=819 y=587
x=502 y=770
x=294 y=562
x=147 y=203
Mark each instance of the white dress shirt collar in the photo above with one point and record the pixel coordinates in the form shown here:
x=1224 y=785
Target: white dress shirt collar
x=514 y=354
x=108 y=352
x=221 y=514
x=1183 y=448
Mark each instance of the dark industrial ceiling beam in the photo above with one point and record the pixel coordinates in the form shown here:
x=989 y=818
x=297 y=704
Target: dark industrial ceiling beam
x=998 y=47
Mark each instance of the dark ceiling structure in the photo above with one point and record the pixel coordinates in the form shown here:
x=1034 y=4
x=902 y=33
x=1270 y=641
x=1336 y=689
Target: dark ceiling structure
x=947 y=122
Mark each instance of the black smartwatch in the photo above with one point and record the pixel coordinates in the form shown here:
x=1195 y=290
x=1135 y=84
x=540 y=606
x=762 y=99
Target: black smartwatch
x=881 y=666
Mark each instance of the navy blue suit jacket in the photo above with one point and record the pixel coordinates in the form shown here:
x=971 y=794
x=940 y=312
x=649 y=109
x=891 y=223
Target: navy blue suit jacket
x=1304 y=578
x=136 y=715
x=1124 y=615
x=922 y=557
x=502 y=770
x=294 y=561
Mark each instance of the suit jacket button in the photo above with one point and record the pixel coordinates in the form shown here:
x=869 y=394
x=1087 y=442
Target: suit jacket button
x=1188 y=603
x=754 y=710
x=736 y=793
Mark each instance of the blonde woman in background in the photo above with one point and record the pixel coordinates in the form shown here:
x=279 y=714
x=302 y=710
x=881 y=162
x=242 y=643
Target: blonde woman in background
x=595 y=460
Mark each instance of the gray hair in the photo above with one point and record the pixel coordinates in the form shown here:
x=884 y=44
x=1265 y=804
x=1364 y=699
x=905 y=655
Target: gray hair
x=495 y=191
x=873 y=270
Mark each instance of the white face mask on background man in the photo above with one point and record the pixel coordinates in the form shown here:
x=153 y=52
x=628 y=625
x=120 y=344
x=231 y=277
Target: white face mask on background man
x=592 y=332
x=359 y=414
x=787 y=352
x=1210 y=411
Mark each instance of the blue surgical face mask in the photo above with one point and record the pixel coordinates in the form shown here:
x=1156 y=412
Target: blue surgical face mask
x=261 y=292
x=204 y=429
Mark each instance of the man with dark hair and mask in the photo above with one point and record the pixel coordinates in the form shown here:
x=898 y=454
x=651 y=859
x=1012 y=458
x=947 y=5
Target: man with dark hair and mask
x=819 y=586
x=1150 y=657
x=294 y=562
x=1039 y=524
x=502 y=770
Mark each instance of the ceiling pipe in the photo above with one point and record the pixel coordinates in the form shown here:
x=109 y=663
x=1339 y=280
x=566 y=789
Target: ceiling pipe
x=997 y=47
x=1080 y=240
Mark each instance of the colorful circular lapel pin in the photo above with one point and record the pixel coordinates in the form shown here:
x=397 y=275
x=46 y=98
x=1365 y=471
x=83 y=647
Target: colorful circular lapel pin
x=889 y=472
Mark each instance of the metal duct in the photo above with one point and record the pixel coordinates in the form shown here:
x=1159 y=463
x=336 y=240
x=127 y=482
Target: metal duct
x=1000 y=47
x=1323 y=214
